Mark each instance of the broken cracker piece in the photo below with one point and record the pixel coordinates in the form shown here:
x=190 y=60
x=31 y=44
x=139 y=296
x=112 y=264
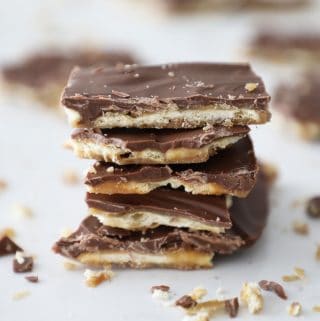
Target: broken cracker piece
x=294 y=309
x=20 y=295
x=273 y=287
x=251 y=295
x=95 y=278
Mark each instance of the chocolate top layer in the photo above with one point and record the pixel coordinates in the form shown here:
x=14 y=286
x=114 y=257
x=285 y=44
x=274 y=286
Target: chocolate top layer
x=301 y=100
x=136 y=89
x=208 y=209
x=235 y=168
x=158 y=139
x=286 y=41
x=248 y=216
x=39 y=69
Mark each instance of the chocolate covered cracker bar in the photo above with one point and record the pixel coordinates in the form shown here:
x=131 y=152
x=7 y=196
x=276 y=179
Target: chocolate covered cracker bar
x=299 y=103
x=42 y=76
x=232 y=171
x=154 y=146
x=286 y=47
x=186 y=95
x=163 y=246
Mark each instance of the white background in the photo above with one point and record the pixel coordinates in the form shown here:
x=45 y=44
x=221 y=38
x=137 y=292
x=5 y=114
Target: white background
x=32 y=161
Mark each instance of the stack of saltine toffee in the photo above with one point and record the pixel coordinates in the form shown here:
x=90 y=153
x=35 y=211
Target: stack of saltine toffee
x=176 y=179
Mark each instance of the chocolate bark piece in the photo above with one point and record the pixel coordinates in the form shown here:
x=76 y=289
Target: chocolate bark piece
x=7 y=246
x=161 y=207
x=286 y=47
x=185 y=95
x=164 y=246
x=23 y=265
x=299 y=102
x=154 y=146
x=232 y=171
x=43 y=75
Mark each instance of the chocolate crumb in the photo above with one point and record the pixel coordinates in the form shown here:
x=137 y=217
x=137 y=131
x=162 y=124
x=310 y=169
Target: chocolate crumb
x=232 y=307
x=32 y=278
x=273 y=287
x=7 y=246
x=164 y=288
x=313 y=207
x=22 y=263
x=186 y=302
x=120 y=94
x=3 y=185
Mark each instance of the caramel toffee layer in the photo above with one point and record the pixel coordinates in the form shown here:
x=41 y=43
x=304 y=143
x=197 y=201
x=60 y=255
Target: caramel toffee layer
x=232 y=171
x=248 y=216
x=209 y=210
x=172 y=96
x=301 y=100
x=43 y=68
x=154 y=146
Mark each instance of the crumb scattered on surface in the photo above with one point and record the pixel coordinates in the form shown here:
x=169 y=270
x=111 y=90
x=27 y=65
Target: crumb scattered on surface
x=21 y=211
x=65 y=232
x=300 y=228
x=186 y=302
x=271 y=172
x=294 y=309
x=22 y=263
x=232 y=307
x=316 y=308
x=161 y=292
x=70 y=266
x=9 y=232
x=95 y=278
x=3 y=185
x=273 y=287
x=313 y=207
x=70 y=177
x=198 y=293
x=298 y=274
x=251 y=296
x=201 y=316
x=67 y=144
x=251 y=86
x=20 y=295
x=32 y=278
x=317 y=255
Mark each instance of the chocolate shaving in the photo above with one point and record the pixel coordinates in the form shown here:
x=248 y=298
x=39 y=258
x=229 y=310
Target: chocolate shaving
x=32 y=278
x=186 y=302
x=232 y=307
x=25 y=266
x=7 y=246
x=120 y=94
x=313 y=207
x=273 y=287
x=164 y=288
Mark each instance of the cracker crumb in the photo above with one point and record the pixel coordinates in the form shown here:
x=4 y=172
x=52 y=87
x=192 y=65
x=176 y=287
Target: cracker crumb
x=298 y=274
x=20 y=295
x=67 y=144
x=65 y=232
x=198 y=293
x=70 y=177
x=210 y=307
x=8 y=231
x=3 y=185
x=95 y=278
x=294 y=309
x=317 y=255
x=300 y=228
x=70 y=266
x=251 y=86
x=110 y=169
x=251 y=296
x=316 y=308
x=161 y=293
x=21 y=211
